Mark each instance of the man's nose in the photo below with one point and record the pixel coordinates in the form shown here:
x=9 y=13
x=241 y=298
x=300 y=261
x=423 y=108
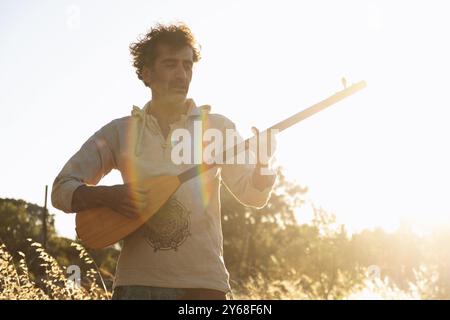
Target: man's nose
x=181 y=72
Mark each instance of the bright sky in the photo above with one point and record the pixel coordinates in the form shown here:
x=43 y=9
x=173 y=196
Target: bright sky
x=375 y=159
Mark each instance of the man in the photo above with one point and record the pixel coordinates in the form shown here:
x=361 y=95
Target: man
x=178 y=254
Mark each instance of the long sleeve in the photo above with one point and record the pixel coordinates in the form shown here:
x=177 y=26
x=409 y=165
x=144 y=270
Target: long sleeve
x=93 y=161
x=238 y=179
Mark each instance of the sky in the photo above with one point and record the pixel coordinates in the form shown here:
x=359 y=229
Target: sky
x=379 y=158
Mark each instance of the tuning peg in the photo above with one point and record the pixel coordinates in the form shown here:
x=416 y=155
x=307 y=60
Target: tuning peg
x=344 y=82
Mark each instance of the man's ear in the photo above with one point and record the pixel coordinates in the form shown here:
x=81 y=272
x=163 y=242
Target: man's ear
x=147 y=76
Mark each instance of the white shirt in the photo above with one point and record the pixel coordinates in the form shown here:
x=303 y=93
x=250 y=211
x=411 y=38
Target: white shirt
x=182 y=247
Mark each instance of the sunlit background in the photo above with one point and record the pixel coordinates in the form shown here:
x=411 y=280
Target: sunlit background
x=379 y=158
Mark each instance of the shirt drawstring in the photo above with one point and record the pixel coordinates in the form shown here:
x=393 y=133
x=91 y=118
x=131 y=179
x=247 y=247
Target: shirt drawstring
x=140 y=114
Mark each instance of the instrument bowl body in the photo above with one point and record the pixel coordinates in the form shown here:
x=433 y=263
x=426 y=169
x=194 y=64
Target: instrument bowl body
x=101 y=227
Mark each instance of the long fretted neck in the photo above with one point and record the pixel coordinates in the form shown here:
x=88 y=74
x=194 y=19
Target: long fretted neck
x=280 y=126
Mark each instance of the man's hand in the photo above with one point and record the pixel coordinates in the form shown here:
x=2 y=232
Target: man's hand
x=126 y=200
x=123 y=198
x=265 y=147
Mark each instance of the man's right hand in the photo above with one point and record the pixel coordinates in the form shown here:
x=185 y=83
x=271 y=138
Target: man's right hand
x=123 y=198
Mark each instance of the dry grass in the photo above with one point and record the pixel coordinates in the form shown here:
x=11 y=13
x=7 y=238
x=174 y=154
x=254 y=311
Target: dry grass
x=16 y=283
x=257 y=288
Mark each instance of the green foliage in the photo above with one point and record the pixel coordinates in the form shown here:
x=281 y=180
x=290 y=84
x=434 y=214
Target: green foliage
x=268 y=243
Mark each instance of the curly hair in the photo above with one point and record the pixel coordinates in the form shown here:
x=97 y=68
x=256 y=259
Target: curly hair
x=175 y=35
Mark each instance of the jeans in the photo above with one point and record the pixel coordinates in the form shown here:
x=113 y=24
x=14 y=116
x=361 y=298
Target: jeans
x=146 y=293
x=157 y=293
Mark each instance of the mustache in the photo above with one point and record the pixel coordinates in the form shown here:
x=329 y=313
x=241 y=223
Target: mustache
x=179 y=86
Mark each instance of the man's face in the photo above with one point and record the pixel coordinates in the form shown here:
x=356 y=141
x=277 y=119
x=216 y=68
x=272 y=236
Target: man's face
x=171 y=74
